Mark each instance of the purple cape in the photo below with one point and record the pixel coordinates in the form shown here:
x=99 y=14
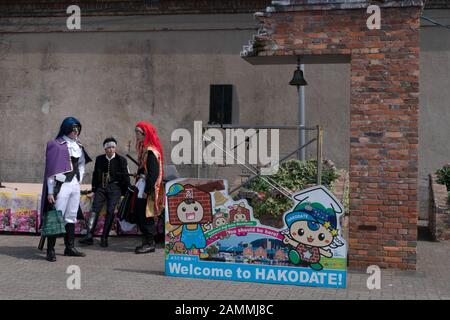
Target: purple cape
x=57 y=160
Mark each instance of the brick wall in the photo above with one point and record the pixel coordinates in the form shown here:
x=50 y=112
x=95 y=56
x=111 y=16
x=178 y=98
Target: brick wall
x=383 y=117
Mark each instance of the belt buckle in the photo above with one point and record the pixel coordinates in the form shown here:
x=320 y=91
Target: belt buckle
x=105 y=180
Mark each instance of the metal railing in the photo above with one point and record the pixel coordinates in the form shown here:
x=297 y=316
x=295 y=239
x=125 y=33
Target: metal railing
x=255 y=171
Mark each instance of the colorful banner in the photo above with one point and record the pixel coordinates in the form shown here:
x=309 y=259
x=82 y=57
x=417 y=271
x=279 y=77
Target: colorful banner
x=24 y=213
x=5 y=211
x=211 y=236
x=116 y=228
x=20 y=212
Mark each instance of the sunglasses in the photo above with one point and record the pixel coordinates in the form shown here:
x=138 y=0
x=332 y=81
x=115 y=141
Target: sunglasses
x=76 y=128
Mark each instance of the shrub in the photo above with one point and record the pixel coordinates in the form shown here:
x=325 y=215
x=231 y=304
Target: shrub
x=443 y=176
x=293 y=175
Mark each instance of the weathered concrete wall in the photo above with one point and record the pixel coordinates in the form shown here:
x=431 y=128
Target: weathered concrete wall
x=434 y=116
x=112 y=79
x=328 y=104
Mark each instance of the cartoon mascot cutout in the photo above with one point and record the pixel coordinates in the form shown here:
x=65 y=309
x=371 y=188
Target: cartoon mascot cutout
x=313 y=227
x=190 y=218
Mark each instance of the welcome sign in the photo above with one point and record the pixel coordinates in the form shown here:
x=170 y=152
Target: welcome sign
x=211 y=236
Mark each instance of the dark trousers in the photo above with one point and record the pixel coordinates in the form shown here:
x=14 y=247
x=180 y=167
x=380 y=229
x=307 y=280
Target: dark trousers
x=146 y=225
x=111 y=195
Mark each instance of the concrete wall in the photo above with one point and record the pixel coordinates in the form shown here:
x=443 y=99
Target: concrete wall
x=434 y=111
x=328 y=104
x=111 y=80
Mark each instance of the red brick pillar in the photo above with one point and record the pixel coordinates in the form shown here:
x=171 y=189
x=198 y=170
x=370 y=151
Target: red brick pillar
x=384 y=141
x=383 y=115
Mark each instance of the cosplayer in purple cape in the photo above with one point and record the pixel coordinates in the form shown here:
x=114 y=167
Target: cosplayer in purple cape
x=65 y=161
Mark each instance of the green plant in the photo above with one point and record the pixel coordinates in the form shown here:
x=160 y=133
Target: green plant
x=443 y=176
x=293 y=175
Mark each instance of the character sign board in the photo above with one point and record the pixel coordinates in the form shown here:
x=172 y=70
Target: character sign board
x=211 y=236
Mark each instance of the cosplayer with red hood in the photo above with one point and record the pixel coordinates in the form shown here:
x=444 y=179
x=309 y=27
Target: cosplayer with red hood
x=149 y=197
x=65 y=161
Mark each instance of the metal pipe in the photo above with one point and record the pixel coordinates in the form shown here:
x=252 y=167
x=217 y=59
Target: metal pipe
x=267 y=179
x=229 y=126
x=319 y=154
x=301 y=119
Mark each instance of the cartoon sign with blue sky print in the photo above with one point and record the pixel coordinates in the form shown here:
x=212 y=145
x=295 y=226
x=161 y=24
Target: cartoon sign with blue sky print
x=211 y=236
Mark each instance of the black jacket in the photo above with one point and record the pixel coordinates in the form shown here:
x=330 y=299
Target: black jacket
x=118 y=172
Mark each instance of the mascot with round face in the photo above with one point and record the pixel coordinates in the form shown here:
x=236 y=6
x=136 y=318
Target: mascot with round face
x=311 y=228
x=239 y=213
x=220 y=219
x=192 y=218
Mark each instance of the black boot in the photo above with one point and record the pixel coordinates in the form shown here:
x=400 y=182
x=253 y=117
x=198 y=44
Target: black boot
x=106 y=229
x=69 y=241
x=90 y=225
x=141 y=246
x=103 y=242
x=148 y=245
x=51 y=256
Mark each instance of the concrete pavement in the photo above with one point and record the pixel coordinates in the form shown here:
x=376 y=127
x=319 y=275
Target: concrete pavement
x=117 y=273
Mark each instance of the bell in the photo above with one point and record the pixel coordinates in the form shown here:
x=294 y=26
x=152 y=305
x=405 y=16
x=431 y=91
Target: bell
x=219 y=198
x=297 y=79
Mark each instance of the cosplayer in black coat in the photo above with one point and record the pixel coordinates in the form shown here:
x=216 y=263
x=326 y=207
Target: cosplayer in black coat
x=110 y=180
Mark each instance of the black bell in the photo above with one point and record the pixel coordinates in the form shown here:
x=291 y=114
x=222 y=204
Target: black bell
x=297 y=79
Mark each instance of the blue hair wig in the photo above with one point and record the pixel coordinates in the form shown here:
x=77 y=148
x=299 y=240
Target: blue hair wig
x=67 y=126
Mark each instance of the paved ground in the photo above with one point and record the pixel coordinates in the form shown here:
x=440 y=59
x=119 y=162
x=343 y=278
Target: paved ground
x=117 y=273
